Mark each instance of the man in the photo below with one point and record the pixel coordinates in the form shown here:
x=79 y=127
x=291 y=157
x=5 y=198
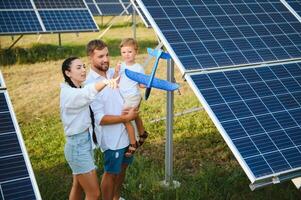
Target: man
x=109 y=122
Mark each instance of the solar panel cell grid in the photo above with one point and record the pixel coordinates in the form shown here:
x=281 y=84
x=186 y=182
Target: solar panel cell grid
x=15 y=4
x=261 y=113
x=51 y=4
x=295 y=5
x=65 y=20
x=19 y=17
x=21 y=188
x=14 y=174
x=19 y=21
x=257 y=31
x=111 y=9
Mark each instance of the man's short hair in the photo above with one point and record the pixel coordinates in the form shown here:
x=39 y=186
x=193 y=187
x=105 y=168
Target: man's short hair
x=95 y=44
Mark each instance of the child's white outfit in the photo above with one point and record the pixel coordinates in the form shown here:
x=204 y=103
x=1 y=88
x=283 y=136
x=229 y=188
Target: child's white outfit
x=128 y=88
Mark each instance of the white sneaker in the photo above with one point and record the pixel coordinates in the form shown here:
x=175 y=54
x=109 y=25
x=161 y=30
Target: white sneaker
x=120 y=198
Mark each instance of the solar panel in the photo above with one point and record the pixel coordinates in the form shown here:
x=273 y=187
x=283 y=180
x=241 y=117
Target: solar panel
x=258 y=112
x=51 y=4
x=141 y=14
x=67 y=20
x=14 y=22
x=27 y=17
x=16 y=176
x=242 y=60
x=217 y=34
x=108 y=7
x=294 y=6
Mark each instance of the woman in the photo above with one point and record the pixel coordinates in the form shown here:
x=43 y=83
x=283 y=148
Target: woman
x=75 y=115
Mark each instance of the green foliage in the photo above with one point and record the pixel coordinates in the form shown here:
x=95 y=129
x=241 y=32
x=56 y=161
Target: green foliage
x=47 y=52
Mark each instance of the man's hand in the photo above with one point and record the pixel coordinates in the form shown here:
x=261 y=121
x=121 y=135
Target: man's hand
x=129 y=114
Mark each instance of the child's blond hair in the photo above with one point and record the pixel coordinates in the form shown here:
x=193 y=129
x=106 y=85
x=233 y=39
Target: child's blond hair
x=129 y=42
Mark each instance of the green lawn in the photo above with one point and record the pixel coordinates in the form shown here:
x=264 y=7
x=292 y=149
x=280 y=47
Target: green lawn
x=203 y=163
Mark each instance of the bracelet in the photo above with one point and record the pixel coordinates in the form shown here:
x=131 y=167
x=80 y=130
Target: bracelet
x=106 y=81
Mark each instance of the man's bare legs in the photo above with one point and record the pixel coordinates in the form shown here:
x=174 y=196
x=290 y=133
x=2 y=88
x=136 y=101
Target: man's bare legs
x=107 y=185
x=111 y=184
x=119 y=182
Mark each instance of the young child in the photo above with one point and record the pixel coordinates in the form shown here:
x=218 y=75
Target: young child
x=129 y=90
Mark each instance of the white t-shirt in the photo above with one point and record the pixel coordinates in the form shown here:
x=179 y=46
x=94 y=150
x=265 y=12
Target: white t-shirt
x=74 y=107
x=127 y=86
x=108 y=102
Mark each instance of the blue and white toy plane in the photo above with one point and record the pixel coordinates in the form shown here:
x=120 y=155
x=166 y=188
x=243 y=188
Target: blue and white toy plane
x=149 y=80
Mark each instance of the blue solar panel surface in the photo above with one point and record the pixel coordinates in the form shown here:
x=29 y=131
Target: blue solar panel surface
x=19 y=22
x=218 y=33
x=20 y=17
x=67 y=20
x=14 y=177
x=296 y=5
x=15 y=4
x=108 y=7
x=40 y=4
x=111 y=9
x=260 y=111
x=142 y=15
x=93 y=8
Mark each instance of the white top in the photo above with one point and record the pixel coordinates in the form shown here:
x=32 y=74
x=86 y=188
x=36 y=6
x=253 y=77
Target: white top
x=74 y=105
x=127 y=86
x=108 y=102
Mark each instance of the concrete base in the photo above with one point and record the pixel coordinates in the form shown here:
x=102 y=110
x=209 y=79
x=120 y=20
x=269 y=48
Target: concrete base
x=174 y=185
x=297 y=182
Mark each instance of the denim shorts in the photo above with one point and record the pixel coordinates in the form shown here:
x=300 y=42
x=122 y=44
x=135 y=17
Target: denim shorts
x=79 y=153
x=114 y=159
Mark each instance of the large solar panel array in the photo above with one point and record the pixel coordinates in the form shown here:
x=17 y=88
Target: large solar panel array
x=44 y=16
x=210 y=34
x=17 y=180
x=108 y=7
x=242 y=60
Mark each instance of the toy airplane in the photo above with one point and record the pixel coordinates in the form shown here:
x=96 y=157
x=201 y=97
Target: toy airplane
x=149 y=80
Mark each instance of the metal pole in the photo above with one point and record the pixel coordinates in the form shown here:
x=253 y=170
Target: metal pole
x=15 y=42
x=169 y=127
x=134 y=22
x=60 y=40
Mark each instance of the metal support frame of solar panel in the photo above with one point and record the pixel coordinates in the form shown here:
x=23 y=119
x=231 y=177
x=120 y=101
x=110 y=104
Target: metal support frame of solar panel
x=107 y=7
x=141 y=14
x=36 y=16
x=200 y=40
x=294 y=6
x=17 y=179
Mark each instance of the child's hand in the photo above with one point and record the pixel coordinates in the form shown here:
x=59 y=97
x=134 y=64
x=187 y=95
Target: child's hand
x=117 y=68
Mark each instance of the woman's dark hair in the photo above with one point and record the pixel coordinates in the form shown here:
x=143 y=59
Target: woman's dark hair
x=66 y=67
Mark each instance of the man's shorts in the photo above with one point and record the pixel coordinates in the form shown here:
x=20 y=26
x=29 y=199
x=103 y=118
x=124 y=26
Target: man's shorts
x=114 y=159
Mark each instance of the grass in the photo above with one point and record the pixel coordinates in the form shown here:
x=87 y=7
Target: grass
x=203 y=163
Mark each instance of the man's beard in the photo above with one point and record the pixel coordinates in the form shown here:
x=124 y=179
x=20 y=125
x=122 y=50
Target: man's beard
x=102 y=68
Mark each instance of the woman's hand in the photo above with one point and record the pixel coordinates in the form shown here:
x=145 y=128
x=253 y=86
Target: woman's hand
x=112 y=83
